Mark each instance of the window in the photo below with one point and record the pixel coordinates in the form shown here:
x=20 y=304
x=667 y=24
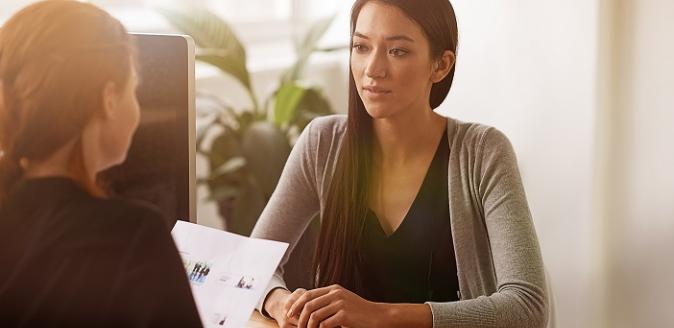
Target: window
x=131 y=12
x=264 y=26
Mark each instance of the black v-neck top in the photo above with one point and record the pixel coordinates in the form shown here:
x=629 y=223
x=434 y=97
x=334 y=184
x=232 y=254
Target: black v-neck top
x=416 y=263
x=69 y=259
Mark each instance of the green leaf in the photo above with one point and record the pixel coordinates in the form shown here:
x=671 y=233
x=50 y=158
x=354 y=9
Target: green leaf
x=228 y=65
x=314 y=35
x=224 y=147
x=203 y=127
x=266 y=149
x=230 y=166
x=313 y=104
x=218 y=44
x=314 y=101
x=248 y=206
x=224 y=192
x=288 y=98
x=245 y=148
x=308 y=46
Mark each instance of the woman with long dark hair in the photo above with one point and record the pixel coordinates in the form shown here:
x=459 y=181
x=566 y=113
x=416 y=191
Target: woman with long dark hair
x=70 y=255
x=424 y=219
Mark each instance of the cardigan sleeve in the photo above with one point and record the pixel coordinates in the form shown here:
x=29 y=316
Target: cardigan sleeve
x=520 y=297
x=292 y=205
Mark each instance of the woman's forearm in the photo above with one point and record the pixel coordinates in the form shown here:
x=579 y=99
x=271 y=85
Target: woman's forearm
x=407 y=315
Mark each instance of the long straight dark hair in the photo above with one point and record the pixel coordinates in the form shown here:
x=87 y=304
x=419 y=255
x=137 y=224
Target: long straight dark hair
x=337 y=256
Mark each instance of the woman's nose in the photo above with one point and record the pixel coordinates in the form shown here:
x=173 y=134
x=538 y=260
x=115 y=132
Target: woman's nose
x=376 y=67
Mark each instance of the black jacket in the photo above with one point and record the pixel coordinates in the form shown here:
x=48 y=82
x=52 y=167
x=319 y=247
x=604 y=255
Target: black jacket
x=69 y=259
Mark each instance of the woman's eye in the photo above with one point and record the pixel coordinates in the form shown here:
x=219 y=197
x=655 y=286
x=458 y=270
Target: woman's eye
x=359 y=47
x=396 y=52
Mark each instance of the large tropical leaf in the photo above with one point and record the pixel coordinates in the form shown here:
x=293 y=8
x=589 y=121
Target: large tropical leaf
x=225 y=163
x=287 y=100
x=203 y=126
x=247 y=154
x=266 y=149
x=230 y=166
x=217 y=43
x=224 y=147
x=227 y=64
x=247 y=207
x=225 y=192
x=313 y=104
x=314 y=34
x=305 y=48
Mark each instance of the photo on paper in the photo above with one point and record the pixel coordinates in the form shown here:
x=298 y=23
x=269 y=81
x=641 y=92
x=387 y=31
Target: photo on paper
x=227 y=272
x=245 y=282
x=219 y=319
x=198 y=271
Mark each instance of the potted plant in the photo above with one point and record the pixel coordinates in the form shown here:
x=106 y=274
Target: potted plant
x=246 y=148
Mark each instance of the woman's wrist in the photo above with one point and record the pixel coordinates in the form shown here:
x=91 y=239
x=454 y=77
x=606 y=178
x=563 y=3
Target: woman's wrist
x=407 y=315
x=274 y=300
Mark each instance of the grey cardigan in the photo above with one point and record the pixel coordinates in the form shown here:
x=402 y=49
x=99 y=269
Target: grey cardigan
x=499 y=265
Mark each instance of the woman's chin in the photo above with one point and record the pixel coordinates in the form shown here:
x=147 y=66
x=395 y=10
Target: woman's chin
x=379 y=111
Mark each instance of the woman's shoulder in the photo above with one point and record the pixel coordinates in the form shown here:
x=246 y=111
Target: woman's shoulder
x=472 y=135
x=63 y=200
x=328 y=126
x=125 y=211
x=115 y=218
x=68 y=219
x=323 y=135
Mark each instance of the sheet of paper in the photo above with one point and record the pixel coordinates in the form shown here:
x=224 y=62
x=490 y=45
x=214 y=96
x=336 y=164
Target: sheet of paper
x=228 y=272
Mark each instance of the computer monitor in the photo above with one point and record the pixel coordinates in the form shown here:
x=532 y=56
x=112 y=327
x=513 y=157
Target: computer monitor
x=160 y=166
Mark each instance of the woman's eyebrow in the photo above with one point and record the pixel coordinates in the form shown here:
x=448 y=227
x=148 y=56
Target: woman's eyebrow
x=360 y=35
x=400 y=37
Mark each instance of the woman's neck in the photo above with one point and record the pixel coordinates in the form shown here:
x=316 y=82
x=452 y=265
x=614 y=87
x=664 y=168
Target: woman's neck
x=402 y=139
x=56 y=165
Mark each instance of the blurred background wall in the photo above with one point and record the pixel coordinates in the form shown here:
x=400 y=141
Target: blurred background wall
x=530 y=69
x=583 y=88
x=637 y=109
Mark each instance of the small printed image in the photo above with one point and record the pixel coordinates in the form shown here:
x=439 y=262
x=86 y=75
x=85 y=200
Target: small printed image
x=197 y=272
x=219 y=319
x=245 y=283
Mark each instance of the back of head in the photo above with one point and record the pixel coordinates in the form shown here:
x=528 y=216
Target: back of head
x=55 y=59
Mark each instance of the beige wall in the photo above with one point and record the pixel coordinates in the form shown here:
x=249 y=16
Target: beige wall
x=530 y=70
x=585 y=91
x=640 y=191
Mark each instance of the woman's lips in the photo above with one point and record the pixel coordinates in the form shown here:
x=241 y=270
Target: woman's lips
x=375 y=92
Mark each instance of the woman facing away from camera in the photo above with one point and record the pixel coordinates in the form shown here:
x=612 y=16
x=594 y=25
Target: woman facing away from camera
x=424 y=219
x=70 y=255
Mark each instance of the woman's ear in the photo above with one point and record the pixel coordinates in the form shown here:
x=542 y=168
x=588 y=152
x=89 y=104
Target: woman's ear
x=110 y=99
x=443 y=66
